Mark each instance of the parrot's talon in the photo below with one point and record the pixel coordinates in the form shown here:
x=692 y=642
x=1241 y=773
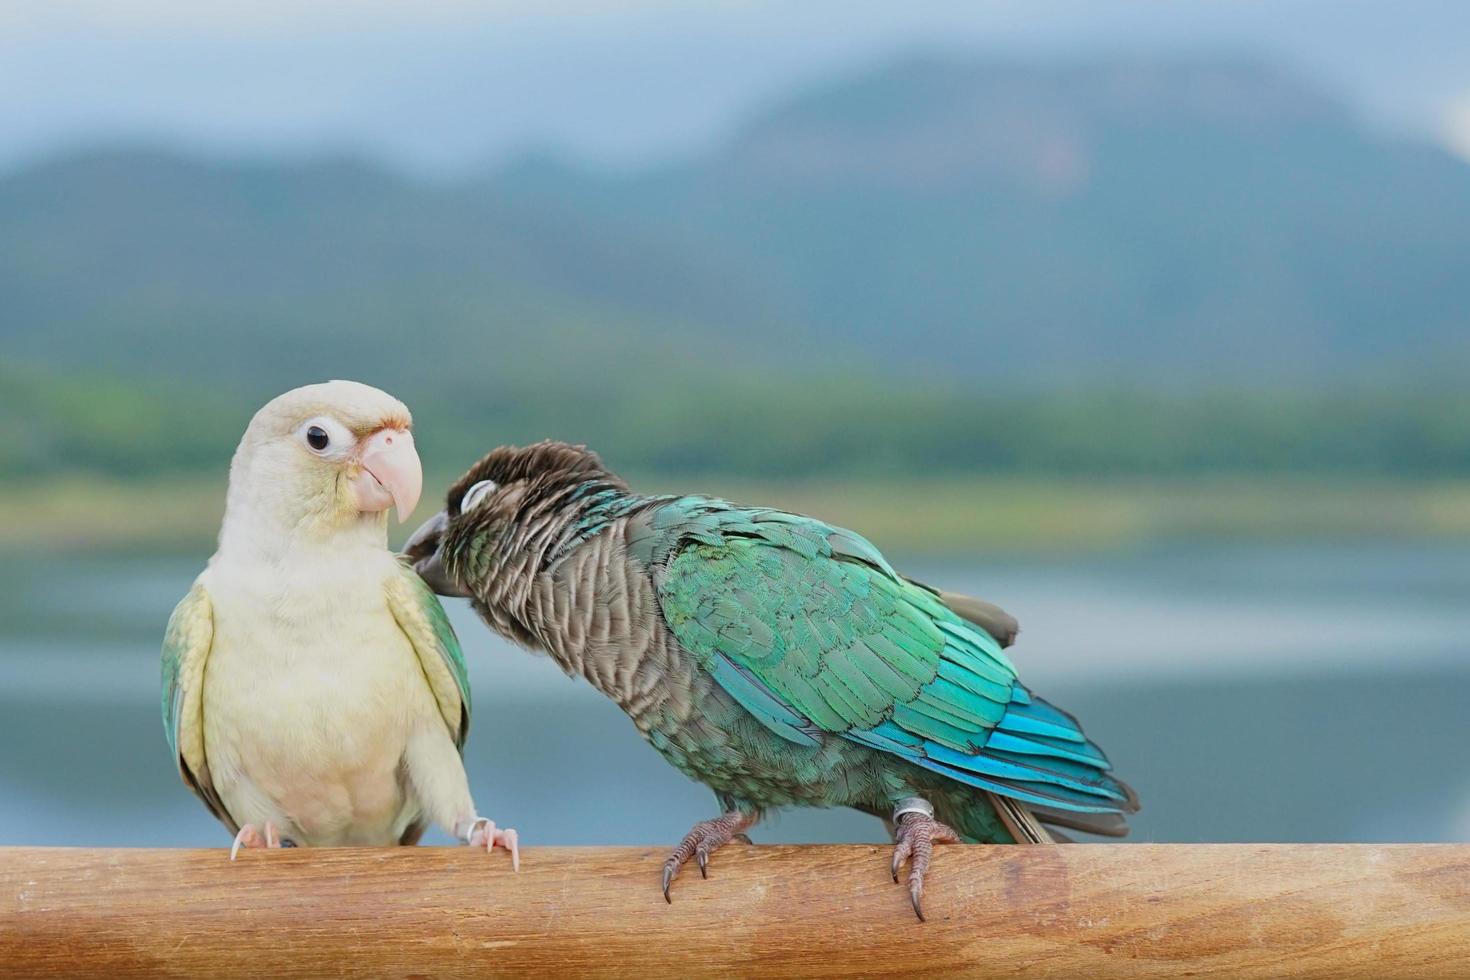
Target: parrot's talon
x=250 y=837
x=917 y=834
x=703 y=839
x=513 y=844
x=901 y=850
x=482 y=832
x=287 y=842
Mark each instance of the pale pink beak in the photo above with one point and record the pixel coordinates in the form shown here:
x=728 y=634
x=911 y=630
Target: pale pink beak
x=391 y=473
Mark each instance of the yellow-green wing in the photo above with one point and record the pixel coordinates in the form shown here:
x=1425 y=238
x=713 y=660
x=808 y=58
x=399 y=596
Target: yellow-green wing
x=186 y=646
x=422 y=619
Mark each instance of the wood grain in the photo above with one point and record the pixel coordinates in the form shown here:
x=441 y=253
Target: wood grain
x=1093 y=911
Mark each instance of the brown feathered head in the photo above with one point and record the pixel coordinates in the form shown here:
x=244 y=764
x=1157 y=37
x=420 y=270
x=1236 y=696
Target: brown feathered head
x=499 y=492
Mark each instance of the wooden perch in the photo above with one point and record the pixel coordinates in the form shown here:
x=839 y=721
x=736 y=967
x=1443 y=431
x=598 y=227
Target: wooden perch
x=1093 y=911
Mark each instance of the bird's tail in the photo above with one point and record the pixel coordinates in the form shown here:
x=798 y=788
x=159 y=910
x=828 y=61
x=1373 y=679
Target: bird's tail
x=1024 y=828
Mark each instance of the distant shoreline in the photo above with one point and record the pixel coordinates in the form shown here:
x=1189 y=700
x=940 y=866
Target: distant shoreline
x=940 y=516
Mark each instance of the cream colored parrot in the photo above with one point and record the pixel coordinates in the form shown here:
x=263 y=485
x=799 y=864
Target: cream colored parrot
x=313 y=691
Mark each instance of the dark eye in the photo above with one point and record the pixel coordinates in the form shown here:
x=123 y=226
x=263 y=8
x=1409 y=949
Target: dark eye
x=317 y=438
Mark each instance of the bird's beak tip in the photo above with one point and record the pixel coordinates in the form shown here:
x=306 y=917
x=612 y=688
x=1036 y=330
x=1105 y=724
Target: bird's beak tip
x=390 y=459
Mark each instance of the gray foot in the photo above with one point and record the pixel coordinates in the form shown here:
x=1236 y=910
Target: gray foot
x=704 y=839
x=917 y=834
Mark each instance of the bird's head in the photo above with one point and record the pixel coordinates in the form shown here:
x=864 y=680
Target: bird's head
x=494 y=495
x=324 y=457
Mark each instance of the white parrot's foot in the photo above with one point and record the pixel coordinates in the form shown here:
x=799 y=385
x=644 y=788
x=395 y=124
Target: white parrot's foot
x=251 y=836
x=482 y=832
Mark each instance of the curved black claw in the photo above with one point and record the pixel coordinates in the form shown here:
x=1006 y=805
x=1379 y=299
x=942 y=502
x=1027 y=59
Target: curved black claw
x=916 y=836
x=287 y=842
x=704 y=839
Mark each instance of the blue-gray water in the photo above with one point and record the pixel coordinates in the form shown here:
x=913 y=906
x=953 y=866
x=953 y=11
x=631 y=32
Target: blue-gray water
x=1310 y=692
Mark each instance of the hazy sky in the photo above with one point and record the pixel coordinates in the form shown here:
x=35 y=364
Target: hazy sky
x=446 y=85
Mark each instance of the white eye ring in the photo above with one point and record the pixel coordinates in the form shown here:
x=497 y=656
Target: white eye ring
x=475 y=494
x=338 y=439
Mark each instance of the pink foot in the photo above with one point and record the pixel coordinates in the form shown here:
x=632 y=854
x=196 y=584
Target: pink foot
x=250 y=836
x=482 y=832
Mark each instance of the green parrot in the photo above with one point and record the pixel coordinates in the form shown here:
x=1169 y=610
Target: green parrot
x=777 y=659
x=314 y=692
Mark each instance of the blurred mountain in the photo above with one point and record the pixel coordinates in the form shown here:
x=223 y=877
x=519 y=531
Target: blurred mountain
x=891 y=254
x=1114 y=220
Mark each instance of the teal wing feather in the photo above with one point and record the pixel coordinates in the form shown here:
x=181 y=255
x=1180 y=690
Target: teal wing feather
x=422 y=618
x=186 y=646
x=810 y=629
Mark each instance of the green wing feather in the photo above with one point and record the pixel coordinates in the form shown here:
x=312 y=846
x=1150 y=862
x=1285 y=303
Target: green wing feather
x=186 y=646
x=811 y=630
x=423 y=620
x=817 y=616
